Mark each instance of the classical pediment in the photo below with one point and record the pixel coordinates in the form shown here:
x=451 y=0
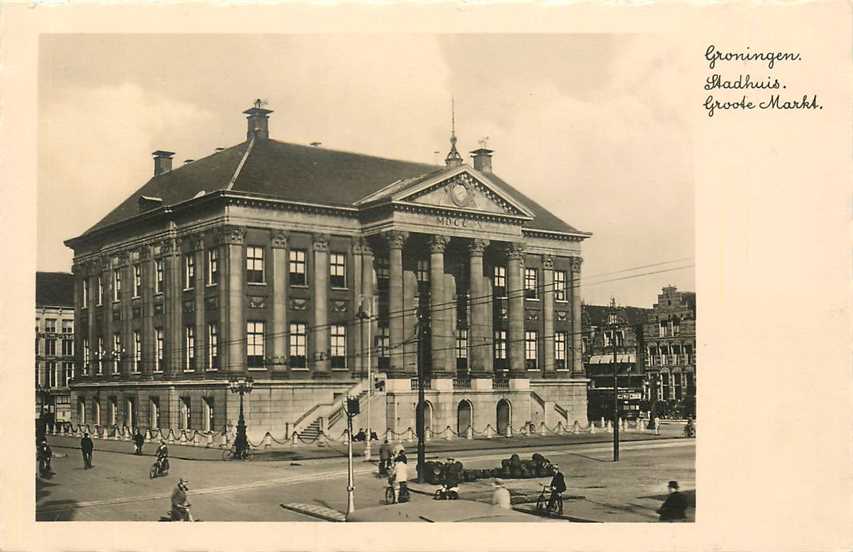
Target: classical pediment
x=462 y=189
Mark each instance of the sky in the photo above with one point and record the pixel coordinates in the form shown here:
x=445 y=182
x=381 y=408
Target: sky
x=580 y=123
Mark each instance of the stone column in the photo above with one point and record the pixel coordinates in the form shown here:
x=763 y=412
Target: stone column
x=233 y=280
x=200 y=323
x=548 y=315
x=515 y=303
x=577 y=356
x=174 y=305
x=91 y=278
x=355 y=340
x=319 y=336
x=278 y=281
x=396 y=240
x=107 y=314
x=149 y=346
x=126 y=268
x=440 y=330
x=367 y=292
x=479 y=338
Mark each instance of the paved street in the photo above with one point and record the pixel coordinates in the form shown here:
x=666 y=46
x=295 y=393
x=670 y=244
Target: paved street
x=118 y=488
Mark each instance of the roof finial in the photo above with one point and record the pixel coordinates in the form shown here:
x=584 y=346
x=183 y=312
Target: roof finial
x=453 y=158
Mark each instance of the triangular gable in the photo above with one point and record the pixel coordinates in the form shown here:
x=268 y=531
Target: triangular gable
x=462 y=188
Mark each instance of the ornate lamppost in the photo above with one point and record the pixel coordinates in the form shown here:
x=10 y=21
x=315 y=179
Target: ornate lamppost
x=241 y=385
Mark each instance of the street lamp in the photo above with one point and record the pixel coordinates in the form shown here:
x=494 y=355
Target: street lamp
x=241 y=385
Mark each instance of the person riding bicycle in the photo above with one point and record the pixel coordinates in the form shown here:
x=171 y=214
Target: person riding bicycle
x=558 y=486
x=163 y=455
x=180 y=502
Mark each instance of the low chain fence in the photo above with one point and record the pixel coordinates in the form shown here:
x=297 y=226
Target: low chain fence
x=225 y=438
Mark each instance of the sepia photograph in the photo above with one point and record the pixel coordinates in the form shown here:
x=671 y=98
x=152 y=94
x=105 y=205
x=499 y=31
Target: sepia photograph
x=364 y=278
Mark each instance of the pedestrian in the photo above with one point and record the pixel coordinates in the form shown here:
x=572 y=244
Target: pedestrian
x=501 y=497
x=138 y=440
x=674 y=508
x=45 y=454
x=87 y=447
x=384 y=457
x=400 y=476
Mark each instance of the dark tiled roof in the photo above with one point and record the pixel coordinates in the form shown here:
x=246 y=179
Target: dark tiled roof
x=298 y=173
x=596 y=315
x=54 y=289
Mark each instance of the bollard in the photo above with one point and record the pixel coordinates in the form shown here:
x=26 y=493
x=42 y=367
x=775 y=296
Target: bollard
x=488 y=432
x=609 y=427
x=469 y=433
x=294 y=438
x=448 y=434
x=592 y=428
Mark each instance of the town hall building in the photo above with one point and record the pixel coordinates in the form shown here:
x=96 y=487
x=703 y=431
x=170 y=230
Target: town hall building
x=303 y=268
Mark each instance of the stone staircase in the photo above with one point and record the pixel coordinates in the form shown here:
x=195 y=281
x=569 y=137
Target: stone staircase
x=332 y=412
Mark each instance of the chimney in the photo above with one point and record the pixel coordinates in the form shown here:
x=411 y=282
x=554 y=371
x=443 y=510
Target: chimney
x=162 y=161
x=483 y=160
x=258 y=122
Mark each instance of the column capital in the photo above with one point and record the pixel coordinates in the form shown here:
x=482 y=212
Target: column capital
x=515 y=251
x=123 y=259
x=548 y=262
x=477 y=246
x=438 y=243
x=230 y=234
x=361 y=246
x=396 y=238
x=321 y=242
x=278 y=239
x=576 y=263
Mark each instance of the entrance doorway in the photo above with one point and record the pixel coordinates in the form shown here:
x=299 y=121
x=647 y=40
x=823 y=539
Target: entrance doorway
x=504 y=416
x=464 y=417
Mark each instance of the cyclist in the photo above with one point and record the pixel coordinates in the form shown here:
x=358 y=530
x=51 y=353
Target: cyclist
x=163 y=456
x=558 y=486
x=180 y=502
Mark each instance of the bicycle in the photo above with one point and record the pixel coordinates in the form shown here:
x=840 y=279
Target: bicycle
x=231 y=454
x=158 y=468
x=389 y=493
x=545 y=505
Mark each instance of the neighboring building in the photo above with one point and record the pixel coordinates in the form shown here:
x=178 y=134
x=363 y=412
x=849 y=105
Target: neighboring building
x=598 y=345
x=54 y=345
x=255 y=261
x=670 y=336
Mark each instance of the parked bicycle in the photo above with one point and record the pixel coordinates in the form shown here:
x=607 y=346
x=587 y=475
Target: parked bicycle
x=545 y=505
x=233 y=454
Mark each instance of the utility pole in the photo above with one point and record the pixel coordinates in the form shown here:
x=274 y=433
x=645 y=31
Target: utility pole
x=613 y=326
x=364 y=315
x=423 y=339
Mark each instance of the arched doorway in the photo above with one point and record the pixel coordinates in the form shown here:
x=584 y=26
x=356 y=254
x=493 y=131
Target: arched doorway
x=427 y=416
x=464 y=417
x=504 y=416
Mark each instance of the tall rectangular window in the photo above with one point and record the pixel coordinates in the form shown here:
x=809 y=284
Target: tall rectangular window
x=462 y=350
x=84 y=294
x=530 y=350
x=212 y=347
x=422 y=271
x=255 y=265
x=383 y=343
x=50 y=325
x=383 y=272
x=255 y=344
x=50 y=345
x=87 y=356
x=298 y=344
x=338 y=270
x=189 y=271
x=50 y=373
x=117 y=353
x=68 y=346
x=338 y=346
x=560 y=350
x=212 y=266
x=296 y=267
x=137 y=350
x=158 y=276
x=499 y=281
x=559 y=285
x=137 y=280
x=117 y=285
x=101 y=354
x=158 y=355
x=100 y=287
x=69 y=373
x=189 y=348
x=530 y=278
x=500 y=349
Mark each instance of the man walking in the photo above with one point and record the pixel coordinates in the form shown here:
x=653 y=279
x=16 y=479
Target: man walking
x=86 y=447
x=138 y=440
